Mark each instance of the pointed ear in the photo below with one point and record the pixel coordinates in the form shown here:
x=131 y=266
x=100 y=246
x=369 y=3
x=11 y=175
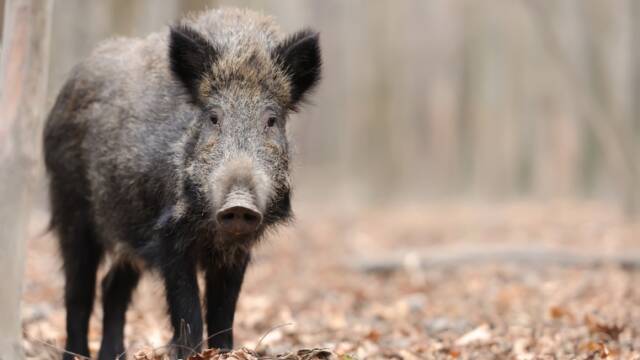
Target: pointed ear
x=190 y=56
x=299 y=54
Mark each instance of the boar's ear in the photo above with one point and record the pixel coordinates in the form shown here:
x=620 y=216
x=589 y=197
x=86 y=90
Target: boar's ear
x=299 y=54
x=190 y=55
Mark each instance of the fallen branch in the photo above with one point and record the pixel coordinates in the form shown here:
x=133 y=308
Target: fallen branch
x=522 y=255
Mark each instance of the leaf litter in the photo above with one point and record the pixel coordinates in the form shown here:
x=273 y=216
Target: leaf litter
x=305 y=276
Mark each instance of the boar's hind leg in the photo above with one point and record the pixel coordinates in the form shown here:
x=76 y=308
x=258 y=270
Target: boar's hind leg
x=117 y=287
x=183 y=299
x=81 y=255
x=222 y=289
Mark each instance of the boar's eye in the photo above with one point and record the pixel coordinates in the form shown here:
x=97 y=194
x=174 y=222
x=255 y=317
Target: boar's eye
x=214 y=119
x=269 y=118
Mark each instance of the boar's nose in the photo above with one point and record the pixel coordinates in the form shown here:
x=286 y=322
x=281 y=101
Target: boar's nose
x=238 y=220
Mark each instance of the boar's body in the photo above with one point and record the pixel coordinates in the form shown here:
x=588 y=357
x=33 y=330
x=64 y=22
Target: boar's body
x=147 y=142
x=112 y=142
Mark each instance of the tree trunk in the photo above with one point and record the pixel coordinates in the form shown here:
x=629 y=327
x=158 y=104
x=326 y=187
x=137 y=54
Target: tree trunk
x=23 y=77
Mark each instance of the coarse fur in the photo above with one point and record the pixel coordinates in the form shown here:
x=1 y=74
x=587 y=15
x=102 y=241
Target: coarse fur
x=147 y=140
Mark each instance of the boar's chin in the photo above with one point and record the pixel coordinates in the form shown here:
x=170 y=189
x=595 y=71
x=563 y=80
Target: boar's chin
x=230 y=246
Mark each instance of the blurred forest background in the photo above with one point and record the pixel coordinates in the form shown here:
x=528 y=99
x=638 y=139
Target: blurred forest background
x=428 y=100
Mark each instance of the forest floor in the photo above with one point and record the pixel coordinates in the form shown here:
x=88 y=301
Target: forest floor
x=512 y=281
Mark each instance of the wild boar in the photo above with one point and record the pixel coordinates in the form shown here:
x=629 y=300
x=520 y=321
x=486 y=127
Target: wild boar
x=170 y=154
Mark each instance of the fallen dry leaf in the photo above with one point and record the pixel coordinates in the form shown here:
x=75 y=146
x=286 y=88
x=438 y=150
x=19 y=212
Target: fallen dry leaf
x=305 y=276
x=373 y=335
x=143 y=355
x=598 y=349
x=597 y=326
x=248 y=354
x=481 y=334
x=558 y=312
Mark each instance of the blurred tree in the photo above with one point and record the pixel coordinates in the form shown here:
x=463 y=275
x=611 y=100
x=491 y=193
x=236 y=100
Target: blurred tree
x=23 y=76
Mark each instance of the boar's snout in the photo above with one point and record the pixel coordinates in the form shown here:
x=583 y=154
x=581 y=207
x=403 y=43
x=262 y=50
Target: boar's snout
x=240 y=194
x=239 y=216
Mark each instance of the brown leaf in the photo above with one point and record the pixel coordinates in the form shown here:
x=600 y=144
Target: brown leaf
x=142 y=355
x=598 y=349
x=312 y=354
x=595 y=326
x=210 y=354
x=558 y=312
x=373 y=336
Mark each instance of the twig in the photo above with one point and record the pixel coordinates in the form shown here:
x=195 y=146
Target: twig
x=268 y=332
x=214 y=335
x=61 y=350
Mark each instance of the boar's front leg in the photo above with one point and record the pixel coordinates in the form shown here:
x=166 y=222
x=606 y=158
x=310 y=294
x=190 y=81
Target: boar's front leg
x=223 y=283
x=117 y=287
x=181 y=284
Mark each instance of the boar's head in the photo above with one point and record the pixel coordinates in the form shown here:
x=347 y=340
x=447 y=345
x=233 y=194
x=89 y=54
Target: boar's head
x=238 y=158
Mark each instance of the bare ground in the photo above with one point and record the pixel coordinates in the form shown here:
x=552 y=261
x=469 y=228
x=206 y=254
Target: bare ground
x=513 y=281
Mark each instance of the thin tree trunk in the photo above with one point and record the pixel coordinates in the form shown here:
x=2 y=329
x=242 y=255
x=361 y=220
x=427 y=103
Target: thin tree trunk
x=23 y=77
x=607 y=123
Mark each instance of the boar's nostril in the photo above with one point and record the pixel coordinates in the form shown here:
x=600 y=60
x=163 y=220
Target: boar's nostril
x=238 y=220
x=227 y=216
x=251 y=217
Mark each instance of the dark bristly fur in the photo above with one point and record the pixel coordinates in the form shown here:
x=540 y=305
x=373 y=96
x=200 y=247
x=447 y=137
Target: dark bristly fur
x=147 y=140
x=300 y=54
x=190 y=54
